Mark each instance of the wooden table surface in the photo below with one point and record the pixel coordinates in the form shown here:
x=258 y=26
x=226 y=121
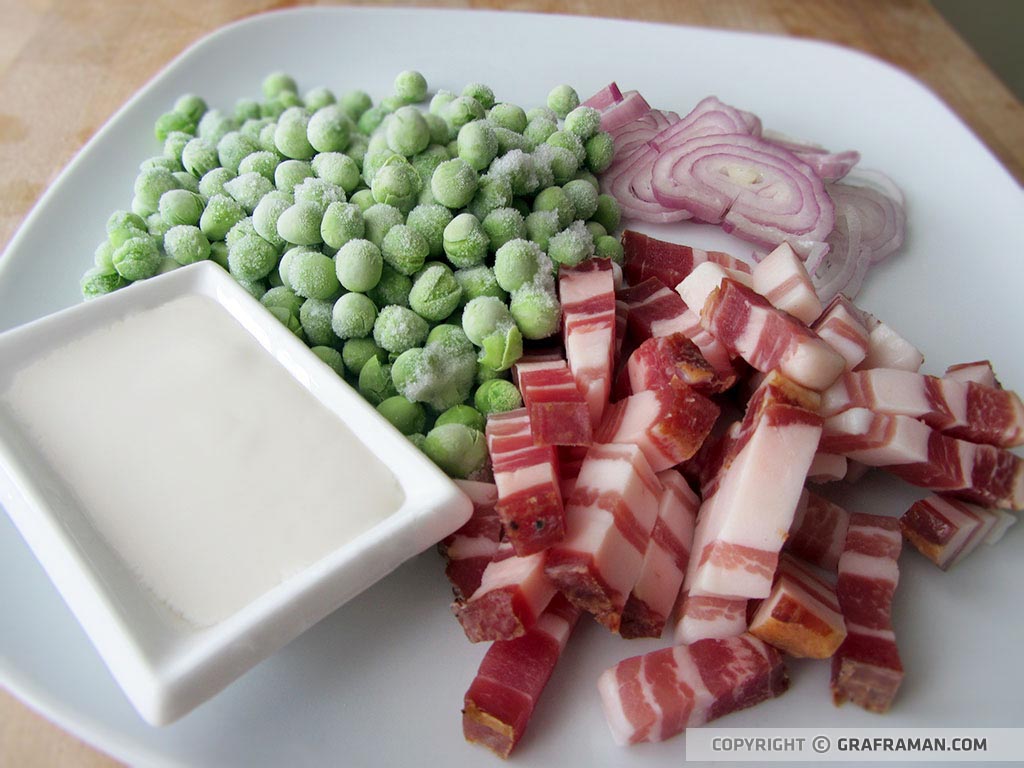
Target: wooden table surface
x=67 y=65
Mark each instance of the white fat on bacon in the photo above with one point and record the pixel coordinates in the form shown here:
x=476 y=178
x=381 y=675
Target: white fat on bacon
x=704 y=279
x=980 y=372
x=887 y=349
x=587 y=293
x=782 y=278
x=841 y=326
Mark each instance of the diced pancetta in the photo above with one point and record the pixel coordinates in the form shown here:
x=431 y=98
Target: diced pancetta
x=513 y=674
x=980 y=372
x=840 y=326
x=468 y=551
x=621 y=325
x=558 y=413
x=668 y=424
x=887 y=349
x=513 y=593
x=768 y=338
x=801 y=616
x=658 y=695
x=818 y=532
x=587 y=293
x=656 y=362
x=782 y=278
x=910 y=449
x=700 y=283
x=668 y=552
x=867 y=669
x=966 y=410
x=704 y=617
x=609 y=519
x=826 y=468
x=570 y=459
x=947 y=530
x=647 y=257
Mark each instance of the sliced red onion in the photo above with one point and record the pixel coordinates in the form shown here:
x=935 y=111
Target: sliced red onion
x=643 y=129
x=632 y=106
x=628 y=179
x=883 y=220
x=605 y=97
x=752 y=121
x=830 y=166
x=844 y=268
x=709 y=117
x=756 y=190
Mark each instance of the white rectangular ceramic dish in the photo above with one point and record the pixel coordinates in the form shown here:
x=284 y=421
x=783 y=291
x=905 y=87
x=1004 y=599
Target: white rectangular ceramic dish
x=165 y=664
x=380 y=682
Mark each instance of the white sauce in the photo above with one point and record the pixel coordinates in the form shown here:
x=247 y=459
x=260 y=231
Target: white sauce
x=210 y=470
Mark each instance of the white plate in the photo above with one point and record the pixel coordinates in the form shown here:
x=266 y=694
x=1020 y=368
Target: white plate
x=380 y=682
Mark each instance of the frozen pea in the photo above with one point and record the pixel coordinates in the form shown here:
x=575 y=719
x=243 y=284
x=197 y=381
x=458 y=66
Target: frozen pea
x=246 y=109
x=291 y=173
x=99 y=281
x=596 y=231
x=585 y=175
x=477 y=144
x=262 y=162
x=150 y=185
x=440 y=133
x=517 y=263
x=572 y=245
x=311 y=274
x=275 y=106
x=103 y=255
x=214 y=124
x=562 y=100
x=502 y=225
x=374 y=161
x=410 y=87
x=250 y=257
x=607 y=213
x=342 y=222
x=452 y=147
x=337 y=168
x=457 y=449
x=494 y=192
x=243 y=228
x=357 y=149
x=248 y=189
x=283 y=297
x=213 y=181
x=397 y=329
x=186 y=181
x=355 y=103
x=570 y=141
x=358 y=265
x=265 y=138
x=178 y=206
x=430 y=221
x=479 y=281
x=482 y=93
x=537 y=312
x=508 y=116
x=267 y=214
x=541 y=112
x=497 y=396
x=300 y=223
x=371 y=119
x=501 y=349
x=520 y=170
x=451 y=338
x=560 y=161
x=407 y=131
x=354 y=315
x=583 y=121
x=254 y=288
x=288 y=320
x=485 y=374
x=600 y=150
x=434 y=376
x=607 y=247
x=172 y=122
x=253 y=129
x=219 y=216
x=175 y=143
x=405 y=416
x=276 y=82
x=538 y=129
x=509 y=140
x=317 y=319
x=375 y=380
x=190 y=105
x=541 y=226
x=330 y=129
x=318 y=98
x=396 y=183
x=462 y=110
x=136 y=258
x=319 y=192
x=364 y=199
x=356 y=353
x=441 y=100
x=232 y=147
x=379 y=220
x=219 y=253
x=330 y=356
x=583 y=197
x=465 y=241
x=435 y=293
x=462 y=414
x=483 y=316
x=124 y=225
x=160 y=161
x=156 y=228
x=454 y=183
x=392 y=288
x=554 y=199
x=404 y=249
x=291 y=135
x=167 y=264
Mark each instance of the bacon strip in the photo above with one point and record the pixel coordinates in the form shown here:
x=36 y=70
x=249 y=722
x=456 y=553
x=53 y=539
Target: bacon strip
x=468 y=551
x=656 y=362
x=801 y=616
x=587 y=293
x=980 y=372
x=512 y=594
x=966 y=410
x=827 y=467
x=668 y=424
x=887 y=349
x=867 y=669
x=704 y=617
x=558 y=413
x=818 y=532
x=782 y=278
x=647 y=257
x=609 y=520
x=768 y=338
x=840 y=326
x=947 y=530
x=658 y=695
x=909 y=449
x=668 y=552
x=512 y=676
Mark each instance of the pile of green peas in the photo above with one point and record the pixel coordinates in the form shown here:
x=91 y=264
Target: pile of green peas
x=414 y=250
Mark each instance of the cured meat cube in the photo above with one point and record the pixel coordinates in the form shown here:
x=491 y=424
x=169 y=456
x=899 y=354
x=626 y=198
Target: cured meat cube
x=703 y=617
x=621 y=324
x=947 y=530
x=768 y=338
x=587 y=293
x=605 y=97
x=468 y=551
x=647 y=257
x=508 y=432
x=668 y=424
x=668 y=552
x=609 y=519
x=570 y=459
x=512 y=676
x=801 y=616
x=840 y=325
x=980 y=372
x=661 y=694
x=867 y=669
x=826 y=467
x=700 y=283
x=512 y=594
x=656 y=362
x=818 y=532
x=887 y=349
x=558 y=413
x=782 y=278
